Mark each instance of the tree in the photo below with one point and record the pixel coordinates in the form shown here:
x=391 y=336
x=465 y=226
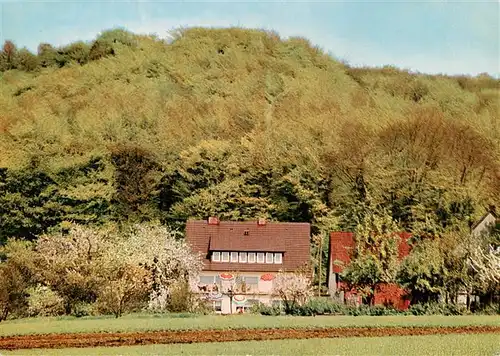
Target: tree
x=293 y=288
x=27 y=61
x=16 y=263
x=72 y=263
x=123 y=288
x=135 y=181
x=422 y=272
x=47 y=55
x=374 y=257
x=168 y=259
x=8 y=56
x=484 y=260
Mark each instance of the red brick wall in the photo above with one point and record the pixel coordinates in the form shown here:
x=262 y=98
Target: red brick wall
x=341 y=245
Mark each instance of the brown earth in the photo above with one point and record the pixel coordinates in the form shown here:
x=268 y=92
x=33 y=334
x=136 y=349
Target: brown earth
x=192 y=336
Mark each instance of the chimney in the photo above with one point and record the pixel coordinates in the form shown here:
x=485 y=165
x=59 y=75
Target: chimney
x=261 y=222
x=212 y=220
x=493 y=209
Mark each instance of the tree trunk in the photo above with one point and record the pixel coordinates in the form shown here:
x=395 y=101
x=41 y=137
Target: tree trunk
x=4 y=314
x=319 y=266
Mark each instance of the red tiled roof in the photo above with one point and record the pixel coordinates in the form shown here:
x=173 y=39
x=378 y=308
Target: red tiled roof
x=292 y=239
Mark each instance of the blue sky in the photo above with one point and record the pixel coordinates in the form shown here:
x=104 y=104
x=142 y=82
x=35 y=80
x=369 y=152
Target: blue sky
x=425 y=36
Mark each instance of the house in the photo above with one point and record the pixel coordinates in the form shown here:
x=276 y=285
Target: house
x=341 y=245
x=484 y=226
x=241 y=258
x=486 y=223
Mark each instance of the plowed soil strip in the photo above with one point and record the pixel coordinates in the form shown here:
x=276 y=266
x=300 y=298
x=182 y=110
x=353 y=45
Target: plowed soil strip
x=49 y=341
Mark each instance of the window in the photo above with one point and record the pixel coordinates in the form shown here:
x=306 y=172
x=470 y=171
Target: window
x=218 y=305
x=247 y=257
x=206 y=279
x=252 y=280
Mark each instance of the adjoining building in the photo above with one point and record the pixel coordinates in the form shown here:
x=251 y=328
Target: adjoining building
x=341 y=245
x=241 y=258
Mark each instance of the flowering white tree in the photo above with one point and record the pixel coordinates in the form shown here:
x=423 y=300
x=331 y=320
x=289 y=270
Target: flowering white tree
x=72 y=264
x=117 y=268
x=486 y=264
x=169 y=259
x=294 y=289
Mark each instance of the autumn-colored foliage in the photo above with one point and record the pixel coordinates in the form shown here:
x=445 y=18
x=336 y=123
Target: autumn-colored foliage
x=238 y=124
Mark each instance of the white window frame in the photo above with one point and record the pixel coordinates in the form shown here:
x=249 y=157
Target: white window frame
x=225 y=256
x=262 y=258
x=243 y=257
x=278 y=258
x=251 y=257
x=234 y=257
x=216 y=256
x=269 y=257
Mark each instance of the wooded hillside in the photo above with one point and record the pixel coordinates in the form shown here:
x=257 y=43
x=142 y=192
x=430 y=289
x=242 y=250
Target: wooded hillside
x=238 y=124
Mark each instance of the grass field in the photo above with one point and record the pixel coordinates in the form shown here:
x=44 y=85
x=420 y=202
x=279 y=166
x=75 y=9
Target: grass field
x=148 y=322
x=456 y=345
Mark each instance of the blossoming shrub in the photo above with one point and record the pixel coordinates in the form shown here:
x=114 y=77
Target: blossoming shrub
x=294 y=289
x=108 y=270
x=43 y=301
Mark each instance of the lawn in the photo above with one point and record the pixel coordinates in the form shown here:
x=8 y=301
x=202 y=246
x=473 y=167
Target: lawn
x=148 y=322
x=486 y=344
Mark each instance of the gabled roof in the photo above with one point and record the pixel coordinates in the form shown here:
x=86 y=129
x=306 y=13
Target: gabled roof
x=342 y=243
x=292 y=239
x=485 y=216
x=248 y=236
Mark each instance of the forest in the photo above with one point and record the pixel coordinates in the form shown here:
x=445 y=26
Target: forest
x=239 y=124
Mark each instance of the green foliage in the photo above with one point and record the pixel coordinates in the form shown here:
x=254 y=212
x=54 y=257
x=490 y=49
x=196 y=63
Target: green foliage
x=264 y=309
x=374 y=258
x=242 y=124
x=81 y=309
x=182 y=299
x=438 y=309
x=325 y=306
x=42 y=301
x=422 y=272
x=33 y=201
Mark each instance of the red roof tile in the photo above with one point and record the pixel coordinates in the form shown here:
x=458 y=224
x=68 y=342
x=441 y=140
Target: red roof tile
x=247 y=236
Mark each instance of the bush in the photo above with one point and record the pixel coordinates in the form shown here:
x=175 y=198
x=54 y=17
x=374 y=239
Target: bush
x=125 y=290
x=83 y=309
x=319 y=306
x=182 y=299
x=438 y=309
x=325 y=306
x=12 y=287
x=264 y=309
x=43 y=301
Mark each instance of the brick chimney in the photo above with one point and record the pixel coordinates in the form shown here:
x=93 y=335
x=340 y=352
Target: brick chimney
x=261 y=222
x=212 y=220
